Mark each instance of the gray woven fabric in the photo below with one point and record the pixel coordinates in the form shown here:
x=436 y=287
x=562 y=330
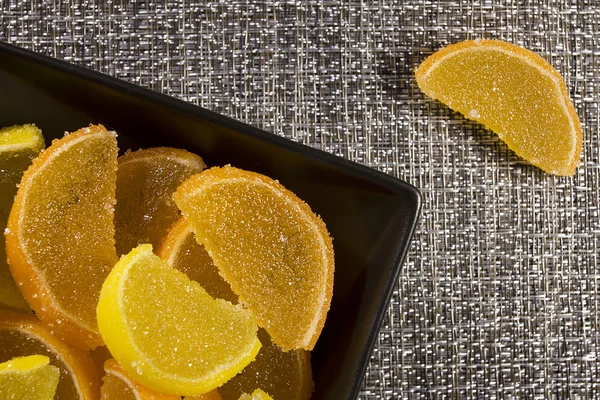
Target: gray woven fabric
x=499 y=295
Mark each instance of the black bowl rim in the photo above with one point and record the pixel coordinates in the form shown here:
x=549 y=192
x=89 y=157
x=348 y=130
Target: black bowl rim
x=387 y=181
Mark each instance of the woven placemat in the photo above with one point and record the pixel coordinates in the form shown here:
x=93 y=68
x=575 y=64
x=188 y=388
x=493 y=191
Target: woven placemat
x=499 y=295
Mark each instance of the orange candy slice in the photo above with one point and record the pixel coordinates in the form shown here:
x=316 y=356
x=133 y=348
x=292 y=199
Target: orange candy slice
x=285 y=375
x=60 y=239
x=119 y=386
x=515 y=93
x=24 y=335
x=268 y=244
x=146 y=180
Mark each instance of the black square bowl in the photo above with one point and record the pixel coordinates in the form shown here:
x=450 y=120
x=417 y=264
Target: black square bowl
x=370 y=215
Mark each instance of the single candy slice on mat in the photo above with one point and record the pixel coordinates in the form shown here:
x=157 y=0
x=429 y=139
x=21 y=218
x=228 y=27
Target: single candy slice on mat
x=512 y=91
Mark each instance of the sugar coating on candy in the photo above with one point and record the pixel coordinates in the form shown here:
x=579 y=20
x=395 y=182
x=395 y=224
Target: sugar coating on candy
x=146 y=180
x=167 y=332
x=16 y=343
x=285 y=375
x=21 y=137
x=23 y=335
x=179 y=326
x=63 y=224
x=268 y=245
x=515 y=93
x=28 y=378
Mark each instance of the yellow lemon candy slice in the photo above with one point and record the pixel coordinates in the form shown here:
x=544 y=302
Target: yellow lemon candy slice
x=19 y=145
x=167 y=333
x=24 y=335
x=28 y=378
x=285 y=375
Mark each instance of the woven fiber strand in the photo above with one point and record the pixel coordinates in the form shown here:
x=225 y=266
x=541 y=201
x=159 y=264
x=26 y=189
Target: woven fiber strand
x=499 y=296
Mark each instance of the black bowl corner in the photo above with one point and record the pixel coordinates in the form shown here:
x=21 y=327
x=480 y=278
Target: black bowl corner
x=370 y=215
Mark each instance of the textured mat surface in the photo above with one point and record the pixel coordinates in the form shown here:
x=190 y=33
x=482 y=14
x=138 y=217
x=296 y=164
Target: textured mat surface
x=499 y=296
